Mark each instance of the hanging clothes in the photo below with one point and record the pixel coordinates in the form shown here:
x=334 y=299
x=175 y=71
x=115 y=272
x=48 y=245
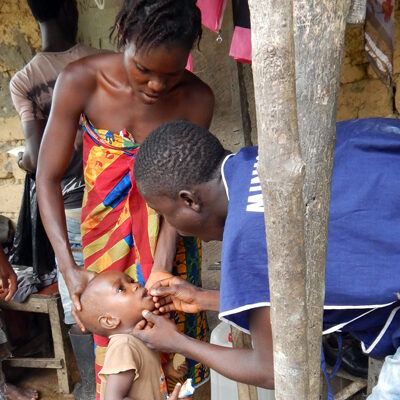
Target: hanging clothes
x=212 y=12
x=379 y=38
x=241 y=40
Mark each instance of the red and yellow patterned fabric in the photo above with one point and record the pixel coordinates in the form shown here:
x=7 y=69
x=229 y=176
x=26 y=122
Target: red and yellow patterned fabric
x=119 y=230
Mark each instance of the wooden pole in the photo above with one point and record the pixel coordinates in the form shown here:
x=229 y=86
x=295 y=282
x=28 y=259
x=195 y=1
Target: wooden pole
x=282 y=172
x=319 y=37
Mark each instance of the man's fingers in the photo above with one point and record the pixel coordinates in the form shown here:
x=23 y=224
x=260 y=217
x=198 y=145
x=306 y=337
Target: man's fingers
x=140 y=325
x=149 y=316
x=163 y=291
x=167 y=308
x=148 y=326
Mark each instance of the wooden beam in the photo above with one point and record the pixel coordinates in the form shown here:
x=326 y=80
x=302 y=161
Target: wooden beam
x=29 y=362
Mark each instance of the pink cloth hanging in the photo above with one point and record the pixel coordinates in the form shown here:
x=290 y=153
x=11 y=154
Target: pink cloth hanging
x=189 y=65
x=241 y=45
x=212 y=12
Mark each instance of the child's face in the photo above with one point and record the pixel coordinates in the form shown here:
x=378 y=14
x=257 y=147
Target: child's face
x=122 y=297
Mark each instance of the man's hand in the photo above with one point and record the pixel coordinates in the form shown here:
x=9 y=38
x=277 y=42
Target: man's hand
x=176 y=294
x=76 y=279
x=159 y=333
x=8 y=284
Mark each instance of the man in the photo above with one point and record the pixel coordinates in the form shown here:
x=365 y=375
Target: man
x=31 y=91
x=185 y=174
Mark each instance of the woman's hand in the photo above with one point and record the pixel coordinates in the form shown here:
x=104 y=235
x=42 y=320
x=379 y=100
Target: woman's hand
x=176 y=294
x=76 y=279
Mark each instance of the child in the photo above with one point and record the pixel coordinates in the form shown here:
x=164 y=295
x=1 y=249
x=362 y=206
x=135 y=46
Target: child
x=185 y=174
x=130 y=370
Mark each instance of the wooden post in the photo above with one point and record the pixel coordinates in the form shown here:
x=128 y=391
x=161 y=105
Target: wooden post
x=282 y=172
x=319 y=37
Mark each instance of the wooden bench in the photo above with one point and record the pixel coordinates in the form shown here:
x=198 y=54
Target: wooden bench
x=47 y=301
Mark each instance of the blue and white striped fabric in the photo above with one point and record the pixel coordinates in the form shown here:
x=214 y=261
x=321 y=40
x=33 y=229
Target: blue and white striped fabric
x=363 y=260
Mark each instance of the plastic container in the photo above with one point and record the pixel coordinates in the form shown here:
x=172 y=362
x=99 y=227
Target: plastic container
x=223 y=388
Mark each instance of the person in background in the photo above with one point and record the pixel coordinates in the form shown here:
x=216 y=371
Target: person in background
x=122 y=97
x=8 y=287
x=32 y=93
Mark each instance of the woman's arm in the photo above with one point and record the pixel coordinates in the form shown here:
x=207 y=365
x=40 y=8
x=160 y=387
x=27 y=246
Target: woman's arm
x=165 y=253
x=69 y=98
x=256 y=365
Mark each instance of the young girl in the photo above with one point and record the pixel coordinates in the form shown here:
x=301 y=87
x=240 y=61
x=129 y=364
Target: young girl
x=121 y=98
x=131 y=370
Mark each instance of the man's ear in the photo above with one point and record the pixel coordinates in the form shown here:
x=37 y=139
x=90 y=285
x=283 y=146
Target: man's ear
x=108 y=322
x=190 y=200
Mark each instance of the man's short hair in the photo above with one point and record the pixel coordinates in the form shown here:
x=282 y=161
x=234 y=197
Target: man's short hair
x=44 y=10
x=175 y=156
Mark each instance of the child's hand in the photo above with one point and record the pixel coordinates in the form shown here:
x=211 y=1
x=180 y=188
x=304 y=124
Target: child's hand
x=175 y=393
x=171 y=372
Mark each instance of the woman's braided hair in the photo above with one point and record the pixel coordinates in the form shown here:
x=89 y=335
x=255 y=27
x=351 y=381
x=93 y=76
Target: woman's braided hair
x=153 y=22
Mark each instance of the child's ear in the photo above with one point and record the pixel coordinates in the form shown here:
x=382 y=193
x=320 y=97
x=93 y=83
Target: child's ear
x=190 y=199
x=108 y=322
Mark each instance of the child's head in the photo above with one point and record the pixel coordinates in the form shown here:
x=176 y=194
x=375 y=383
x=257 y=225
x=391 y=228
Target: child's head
x=113 y=303
x=177 y=171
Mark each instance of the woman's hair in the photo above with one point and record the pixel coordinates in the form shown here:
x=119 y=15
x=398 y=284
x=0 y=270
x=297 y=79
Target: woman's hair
x=175 y=156
x=153 y=22
x=43 y=10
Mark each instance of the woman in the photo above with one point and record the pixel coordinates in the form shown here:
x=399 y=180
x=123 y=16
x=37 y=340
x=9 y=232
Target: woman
x=122 y=97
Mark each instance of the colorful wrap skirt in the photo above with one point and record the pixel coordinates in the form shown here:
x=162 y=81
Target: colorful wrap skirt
x=119 y=230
